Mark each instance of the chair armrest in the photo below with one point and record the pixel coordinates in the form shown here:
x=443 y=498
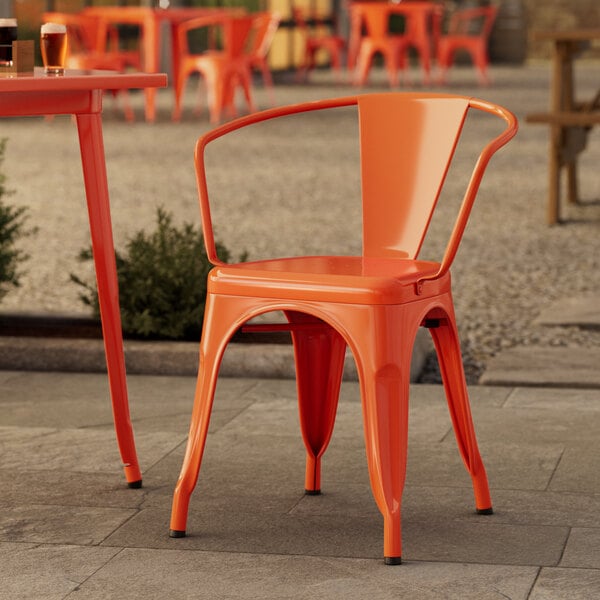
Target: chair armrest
x=473 y=186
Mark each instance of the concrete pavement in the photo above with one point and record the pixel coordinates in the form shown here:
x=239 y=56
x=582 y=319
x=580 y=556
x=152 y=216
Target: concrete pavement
x=70 y=528
x=558 y=366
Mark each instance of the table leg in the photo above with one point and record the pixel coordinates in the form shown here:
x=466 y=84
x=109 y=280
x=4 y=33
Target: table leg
x=568 y=104
x=96 y=187
x=560 y=98
x=554 y=176
x=572 y=188
x=175 y=56
x=151 y=43
x=354 y=37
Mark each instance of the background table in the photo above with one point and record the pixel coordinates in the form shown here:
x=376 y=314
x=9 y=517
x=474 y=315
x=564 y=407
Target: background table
x=149 y=21
x=80 y=94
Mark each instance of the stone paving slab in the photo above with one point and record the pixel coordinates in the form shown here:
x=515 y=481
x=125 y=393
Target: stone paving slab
x=213 y=575
x=583 y=548
x=48 y=572
x=575 y=584
x=572 y=367
x=544 y=367
x=581 y=310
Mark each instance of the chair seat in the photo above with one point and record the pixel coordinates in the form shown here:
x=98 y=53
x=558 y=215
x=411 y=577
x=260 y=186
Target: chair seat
x=352 y=279
x=331 y=42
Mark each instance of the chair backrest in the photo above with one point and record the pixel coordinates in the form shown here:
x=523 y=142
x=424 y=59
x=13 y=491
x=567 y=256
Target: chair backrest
x=473 y=21
x=237 y=31
x=407 y=141
x=232 y=29
x=183 y=29
x=264 y=27
x=314 y=22
x=375 y=17
x=406 y=148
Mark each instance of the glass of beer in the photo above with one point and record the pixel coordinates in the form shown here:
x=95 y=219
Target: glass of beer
x=54 y=47
x=8 y=34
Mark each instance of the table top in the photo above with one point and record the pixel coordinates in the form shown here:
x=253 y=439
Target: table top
x=79 y=80
x=422 y=6
x=566 y=35
x=138 y=14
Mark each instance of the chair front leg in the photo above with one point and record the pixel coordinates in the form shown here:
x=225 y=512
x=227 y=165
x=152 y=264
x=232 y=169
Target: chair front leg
x=383 y=361
x=215 y=334
x=385 y=390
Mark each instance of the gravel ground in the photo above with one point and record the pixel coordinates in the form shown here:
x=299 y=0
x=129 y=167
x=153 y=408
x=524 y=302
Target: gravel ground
x=510 y=267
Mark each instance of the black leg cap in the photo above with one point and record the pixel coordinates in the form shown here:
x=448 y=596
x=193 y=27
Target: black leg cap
x=176 y=533
x=393 y=560
x=485 y=511
x=312 y=492
x=135 y=485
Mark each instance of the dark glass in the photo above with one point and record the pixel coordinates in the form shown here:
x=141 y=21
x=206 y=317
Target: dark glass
x=8 y=34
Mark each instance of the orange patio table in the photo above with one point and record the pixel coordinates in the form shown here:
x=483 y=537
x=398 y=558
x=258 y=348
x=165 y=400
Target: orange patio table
x=79 y=93
x=149 y=21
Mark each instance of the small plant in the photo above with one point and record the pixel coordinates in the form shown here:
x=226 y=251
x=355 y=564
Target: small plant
x=162 y=282
x=12 y=227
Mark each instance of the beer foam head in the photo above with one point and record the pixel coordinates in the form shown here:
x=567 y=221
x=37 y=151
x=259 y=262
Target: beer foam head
x=54 y=28
x=8 y=22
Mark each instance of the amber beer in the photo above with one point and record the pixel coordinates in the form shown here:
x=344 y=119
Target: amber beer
x=54 y=47
x=8 y=34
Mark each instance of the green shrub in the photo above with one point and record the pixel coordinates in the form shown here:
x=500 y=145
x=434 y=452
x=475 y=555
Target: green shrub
x=12 y=226
x=162 y=282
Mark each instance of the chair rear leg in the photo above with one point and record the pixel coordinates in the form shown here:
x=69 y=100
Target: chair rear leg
x=319 y=352
x=444 y=62
x=363 y=65
x=480 y=60
x=391 y=66
x=179 y=89
x=447 y=345
x=245 y=79
x=268 y=81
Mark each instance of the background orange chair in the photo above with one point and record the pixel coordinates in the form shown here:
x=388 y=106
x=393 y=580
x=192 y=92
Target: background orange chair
x=374 y=18
x=319 y=36
x=469 y=30
x=264 y=27
x=224 y=66
x=374 y=303
x=422 y=25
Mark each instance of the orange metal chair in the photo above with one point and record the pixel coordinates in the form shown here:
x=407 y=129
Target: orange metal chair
x=468 y=30
x=374 y=17
x=374 y=303
x=422 y=30
x=223 y=68
x=316 y=39
x=264 y=27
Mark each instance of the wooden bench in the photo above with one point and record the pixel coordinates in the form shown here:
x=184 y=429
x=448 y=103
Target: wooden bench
x=569 y=121
x=569 y=133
